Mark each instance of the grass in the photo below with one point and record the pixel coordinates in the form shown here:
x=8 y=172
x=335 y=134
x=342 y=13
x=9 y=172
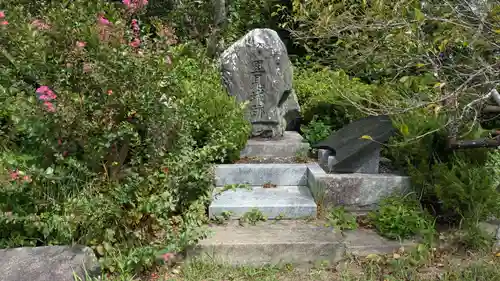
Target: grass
x=437 y=265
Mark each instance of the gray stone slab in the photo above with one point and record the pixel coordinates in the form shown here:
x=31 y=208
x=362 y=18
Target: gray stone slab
x=53 y=263
x=287 y=146
x=271 y=243
x=259 y=174
x=363 y=242
x=358 y=192
x=287 y=202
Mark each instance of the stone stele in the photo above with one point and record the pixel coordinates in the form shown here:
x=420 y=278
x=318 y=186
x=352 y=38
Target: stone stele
x=256 y=69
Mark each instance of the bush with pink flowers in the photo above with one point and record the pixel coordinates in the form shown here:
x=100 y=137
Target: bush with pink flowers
x=106 y=136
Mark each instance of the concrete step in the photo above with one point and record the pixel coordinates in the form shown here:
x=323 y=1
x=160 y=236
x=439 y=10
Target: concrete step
x=279 y=242
x=259 y=174
x=285 y=202
x=296 y=242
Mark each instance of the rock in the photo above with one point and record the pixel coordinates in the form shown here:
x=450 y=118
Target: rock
x=54 y=263
x=256 y=69
x=488 y=228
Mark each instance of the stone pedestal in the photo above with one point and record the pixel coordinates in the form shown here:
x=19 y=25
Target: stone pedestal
x=368 y=164
x=289 y=145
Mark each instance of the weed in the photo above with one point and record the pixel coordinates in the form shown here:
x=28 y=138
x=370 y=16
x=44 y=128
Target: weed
x=302 y=155
x=281 y=216
x=222 y=218
x=401 y=217
x=252 y=217
x=340 y=219
x=318 y=190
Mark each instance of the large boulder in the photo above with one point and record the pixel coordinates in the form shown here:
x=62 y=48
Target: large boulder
x=256 y=69
x=54 y=263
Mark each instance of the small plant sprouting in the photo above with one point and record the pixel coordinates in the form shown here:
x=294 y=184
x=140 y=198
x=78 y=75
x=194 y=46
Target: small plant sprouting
x=281 y=216
x=302 y=155
x=222 y=218
x=252 y=217
x=340 y=219
x=232 y=187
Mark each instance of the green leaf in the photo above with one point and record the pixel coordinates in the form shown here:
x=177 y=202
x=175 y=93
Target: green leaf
x=49 y=171
x=404 y=130
x=419 y=16
x=404 y=79
x=366 y=137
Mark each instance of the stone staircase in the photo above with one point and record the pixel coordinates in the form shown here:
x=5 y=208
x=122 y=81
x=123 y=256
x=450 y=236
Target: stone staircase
x=292 y=234
x=277 y=191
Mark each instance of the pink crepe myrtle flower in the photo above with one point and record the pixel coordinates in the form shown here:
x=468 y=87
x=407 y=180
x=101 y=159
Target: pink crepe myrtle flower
x=4 y=22
x=135 y=43
x=168 y=256
x=49 y=106
x=81 y=44
x=14 y=175
x=2 y=14
x=135 y=4
x=27 y=179
x=45 y=93
x=103 y=21
x=87 y=67
x=41 y=25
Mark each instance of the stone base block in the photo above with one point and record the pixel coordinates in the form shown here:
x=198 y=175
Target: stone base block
x=356 y=191
x=290 y=145
x=284 y=202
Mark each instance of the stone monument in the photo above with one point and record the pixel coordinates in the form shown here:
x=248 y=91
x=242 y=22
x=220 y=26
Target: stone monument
x=256 y=69
x=356 y=147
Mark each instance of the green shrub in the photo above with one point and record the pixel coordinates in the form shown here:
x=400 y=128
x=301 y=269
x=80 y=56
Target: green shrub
x=453 y=185
x=316 y=131
x=400 y=217
x=331 y=96
x=115 y=153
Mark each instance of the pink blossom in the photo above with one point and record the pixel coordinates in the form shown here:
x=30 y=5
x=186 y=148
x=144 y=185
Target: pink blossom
x=40 y=25
x=135 y=43
x=134 y=5
x=14 y=175
x=27 y=179
x=4 y=22
x=110 y=92
x=43 y=89
x=80 y=44
x=46 y=93
x=103 y=20
x=2 y=14
x=50 y=107
x=168 y=256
